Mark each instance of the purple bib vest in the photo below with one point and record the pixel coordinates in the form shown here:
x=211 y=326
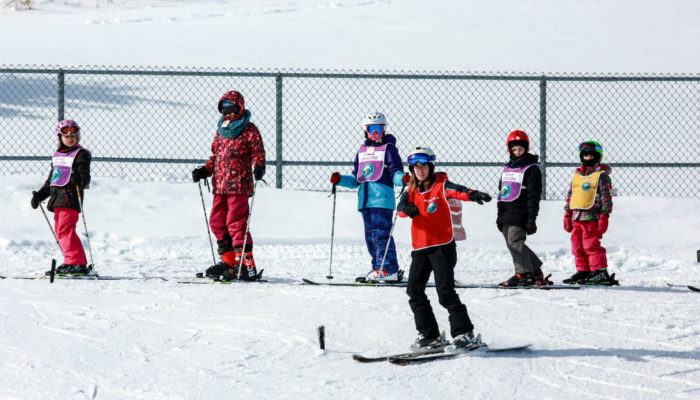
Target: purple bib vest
x=62 y=167
x=512 y=183
x=370 y=163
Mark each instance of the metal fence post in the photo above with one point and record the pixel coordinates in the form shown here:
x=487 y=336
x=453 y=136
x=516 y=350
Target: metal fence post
x=278 y=126
x=61 y=95
x=543 y=135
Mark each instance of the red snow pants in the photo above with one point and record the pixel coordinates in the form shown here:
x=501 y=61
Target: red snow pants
x=229 y=214
x=65 y=220
x=589 y=255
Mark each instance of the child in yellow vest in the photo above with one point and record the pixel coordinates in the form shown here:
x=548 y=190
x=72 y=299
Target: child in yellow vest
x=588 y=207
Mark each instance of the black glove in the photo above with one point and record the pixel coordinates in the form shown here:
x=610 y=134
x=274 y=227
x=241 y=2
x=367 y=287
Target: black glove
x=479 y=197
x=75 y=181
x=410 y=209
x=35 y=200
x=199 y=173
x=531 y=228
x=499 y=226
x=258 y=172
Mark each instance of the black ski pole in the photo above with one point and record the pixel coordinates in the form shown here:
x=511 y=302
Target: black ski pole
x=80 y=202
x=247 y=228
x=51 y=228
x=206 y=222
x=330 y=266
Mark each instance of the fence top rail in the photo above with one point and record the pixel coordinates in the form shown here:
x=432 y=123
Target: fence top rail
x=430 y=75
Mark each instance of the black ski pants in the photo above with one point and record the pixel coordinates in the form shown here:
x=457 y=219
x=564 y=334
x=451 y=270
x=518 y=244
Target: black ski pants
x=440 y=260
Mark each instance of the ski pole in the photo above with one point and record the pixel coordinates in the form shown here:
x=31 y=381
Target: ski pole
x=80 y=202
x=51 y=228
x=247 y=228
x=330 y=266
x=206 y=222
x=391 y=233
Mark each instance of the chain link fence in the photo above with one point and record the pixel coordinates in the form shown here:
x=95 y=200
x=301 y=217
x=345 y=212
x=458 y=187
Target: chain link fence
x=156 y=125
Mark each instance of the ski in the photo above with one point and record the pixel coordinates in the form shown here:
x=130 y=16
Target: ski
x=365 y=359
x=86 y=277
x=693 y=288
x=457 y=285
x=371 y=284
x=422 y=358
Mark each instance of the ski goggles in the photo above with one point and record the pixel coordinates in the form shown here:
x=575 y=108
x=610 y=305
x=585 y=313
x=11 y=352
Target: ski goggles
x=69 y=131
x=589 y=146
x=230 y=108
x=421 y=159
x=374 y=129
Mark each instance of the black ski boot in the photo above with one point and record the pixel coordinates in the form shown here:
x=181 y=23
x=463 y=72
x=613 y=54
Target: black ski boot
x=524 y=279
x=215 y=271
x=467 y=341
x=599 y=277
x=424 y=343
x=578 y=276
x=72 y=269
x=540 y=279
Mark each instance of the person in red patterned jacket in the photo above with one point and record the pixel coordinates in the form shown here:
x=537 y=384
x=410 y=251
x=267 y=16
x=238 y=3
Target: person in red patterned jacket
x=237 y=146
x=426 y=202
x=587 y=210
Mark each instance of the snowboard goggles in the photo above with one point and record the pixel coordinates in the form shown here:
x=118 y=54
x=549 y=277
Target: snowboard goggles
x=589 y=146
x=421 y=159
x=230 y=108
x=374 y=129
x=69 y=130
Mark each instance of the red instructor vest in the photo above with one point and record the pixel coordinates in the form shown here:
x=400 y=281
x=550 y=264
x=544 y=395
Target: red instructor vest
x=433 y=225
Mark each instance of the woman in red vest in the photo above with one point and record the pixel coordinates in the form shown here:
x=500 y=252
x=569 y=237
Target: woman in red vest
x=425 y=202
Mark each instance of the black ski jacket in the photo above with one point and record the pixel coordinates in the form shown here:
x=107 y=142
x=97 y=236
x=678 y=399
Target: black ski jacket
x=525 y=208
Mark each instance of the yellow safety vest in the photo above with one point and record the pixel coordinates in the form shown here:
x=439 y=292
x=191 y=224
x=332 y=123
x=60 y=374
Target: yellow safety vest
x=583 y=190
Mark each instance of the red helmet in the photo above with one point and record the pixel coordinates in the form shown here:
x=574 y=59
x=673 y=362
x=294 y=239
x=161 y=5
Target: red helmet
x=518 y=138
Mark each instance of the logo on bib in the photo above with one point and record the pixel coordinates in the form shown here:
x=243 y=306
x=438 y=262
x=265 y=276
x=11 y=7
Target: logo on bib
x=55 y=175
x=367 y=170
x=432 y=207
x=586 y=186
x=505 y=190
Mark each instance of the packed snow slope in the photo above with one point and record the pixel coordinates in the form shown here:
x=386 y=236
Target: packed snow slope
x=150 y=339
x=617 y=36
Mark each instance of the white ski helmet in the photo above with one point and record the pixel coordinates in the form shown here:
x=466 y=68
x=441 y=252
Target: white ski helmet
x=423 y=155
x=373 y=118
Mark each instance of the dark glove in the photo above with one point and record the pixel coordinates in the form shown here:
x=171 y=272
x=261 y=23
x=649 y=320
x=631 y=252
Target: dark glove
x=499 y=226
x=531 y=228
x=406 y=179
x=76 y=181
x=568 y=224
x=410 y=209
x=602 y=224
x=35 y=200
x=258 y=172
x=479 y=197
x=199 y=173
x=335 y=178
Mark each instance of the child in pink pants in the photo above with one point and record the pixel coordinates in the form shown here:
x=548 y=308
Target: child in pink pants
x=587 y=210
x=70 y=173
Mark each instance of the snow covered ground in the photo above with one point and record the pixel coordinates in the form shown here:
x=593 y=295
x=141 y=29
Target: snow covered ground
x=149 y=339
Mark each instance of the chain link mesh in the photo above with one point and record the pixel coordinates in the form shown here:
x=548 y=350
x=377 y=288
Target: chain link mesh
x=156 y=125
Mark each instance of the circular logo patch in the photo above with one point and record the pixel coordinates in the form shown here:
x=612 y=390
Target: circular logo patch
x=55 y=175
x=432 y=207
x=586 y=187
x=367 y=170
x=505 y=190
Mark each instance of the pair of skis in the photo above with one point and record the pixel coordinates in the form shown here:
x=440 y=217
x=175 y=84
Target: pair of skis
x=440 y=353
